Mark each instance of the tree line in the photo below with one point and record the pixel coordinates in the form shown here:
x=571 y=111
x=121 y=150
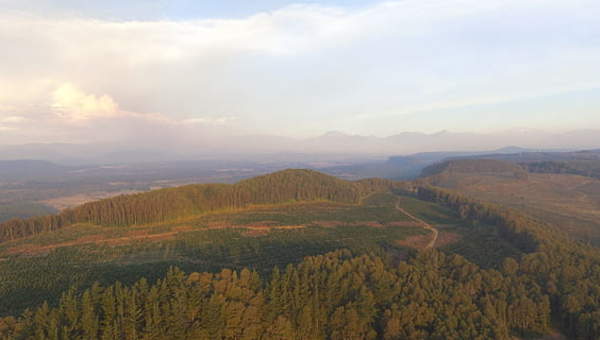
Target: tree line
x=568 y=271
x=333 y=296
x=341 y=296
x=590 y=168
x=173 y=203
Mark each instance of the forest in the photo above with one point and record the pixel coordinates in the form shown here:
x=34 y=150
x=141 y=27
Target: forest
x=548 y=283
x=333 y=296
x=172 y=203
x=567 y=271
x=590 y=168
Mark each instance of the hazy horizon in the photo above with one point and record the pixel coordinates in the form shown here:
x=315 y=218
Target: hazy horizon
x=181 y=72
x=300 y=169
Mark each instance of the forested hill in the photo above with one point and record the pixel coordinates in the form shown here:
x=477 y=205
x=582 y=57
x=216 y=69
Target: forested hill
x=474 y=166
x=173 y=203
x=341 y=296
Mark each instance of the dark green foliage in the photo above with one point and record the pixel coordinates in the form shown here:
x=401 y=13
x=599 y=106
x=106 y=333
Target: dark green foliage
x=336 y=296
x=481 y=244
x=568 y=272
x=29 y=280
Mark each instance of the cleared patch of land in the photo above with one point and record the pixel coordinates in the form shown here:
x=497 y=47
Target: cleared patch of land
x=252 y=222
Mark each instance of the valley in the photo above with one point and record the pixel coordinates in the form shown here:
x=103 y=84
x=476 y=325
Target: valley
x=259 y=237
x=287 y=221
x=299 y=170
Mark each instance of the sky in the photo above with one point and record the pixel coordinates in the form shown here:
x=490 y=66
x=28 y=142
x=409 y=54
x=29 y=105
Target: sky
x=94 y=71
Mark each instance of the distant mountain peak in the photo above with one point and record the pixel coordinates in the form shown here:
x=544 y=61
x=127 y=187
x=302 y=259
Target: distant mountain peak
x=335 y=133
x=512 y=149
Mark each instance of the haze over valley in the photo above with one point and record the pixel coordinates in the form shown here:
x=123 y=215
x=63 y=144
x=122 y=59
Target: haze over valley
x=300 y=170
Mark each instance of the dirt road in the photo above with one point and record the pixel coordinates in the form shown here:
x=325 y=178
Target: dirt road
x=424 y=224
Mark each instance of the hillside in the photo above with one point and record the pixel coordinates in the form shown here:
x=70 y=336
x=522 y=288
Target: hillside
x=589 y=168
x=41 y=267
x=584 y=163
x=409 y=167
x=570 y=202
x=181 y=202
x=529 y=156
x=475 y=166
x=29 y=186
x=377 y=290
x=370 y=273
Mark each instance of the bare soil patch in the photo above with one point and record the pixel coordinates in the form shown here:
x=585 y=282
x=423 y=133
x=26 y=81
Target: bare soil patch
x=446 y=238
x=255 y=232
x=372 y=224
x=416 y=242
x=403 y=224
x=131 y=236
x=328 y=224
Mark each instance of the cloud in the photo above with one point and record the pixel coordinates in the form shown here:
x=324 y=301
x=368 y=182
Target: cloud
x=210 y=120
x=72 y=103
x=301 y=70
x=12 y=120
x=11 y=123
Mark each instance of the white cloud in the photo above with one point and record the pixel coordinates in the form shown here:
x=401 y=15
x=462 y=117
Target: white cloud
x=72 y=103
x=301 y=69
x=12 y=120
x=210 y=120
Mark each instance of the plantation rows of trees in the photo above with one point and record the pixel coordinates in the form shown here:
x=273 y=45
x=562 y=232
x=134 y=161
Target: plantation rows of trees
x=334 y=296
x=169 y=204
x=590 y=168
x=28 y=281
x=556 y=282
x=568 y=271
x=476 y=166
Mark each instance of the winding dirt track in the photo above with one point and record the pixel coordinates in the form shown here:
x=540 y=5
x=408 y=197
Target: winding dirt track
x=424 y=224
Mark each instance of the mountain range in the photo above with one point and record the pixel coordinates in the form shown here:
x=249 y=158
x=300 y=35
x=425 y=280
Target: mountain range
x=336 y=145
